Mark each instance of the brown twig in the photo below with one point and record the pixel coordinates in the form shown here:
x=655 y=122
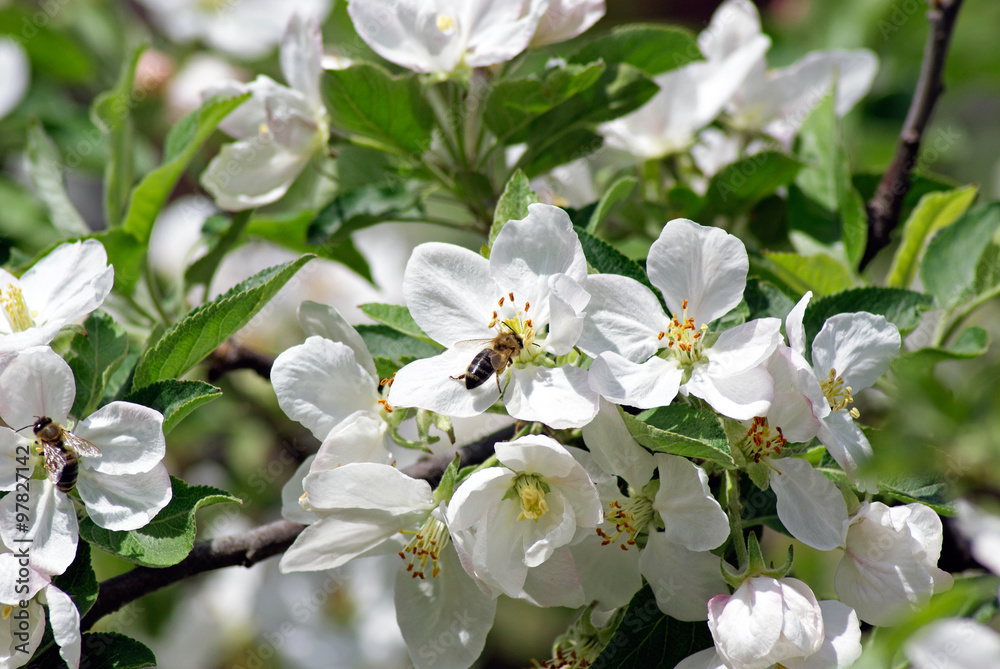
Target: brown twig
x=230 y=356
x=885 y=206
x=250 y=547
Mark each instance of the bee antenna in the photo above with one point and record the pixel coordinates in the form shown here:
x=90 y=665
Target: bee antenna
x=24 y=428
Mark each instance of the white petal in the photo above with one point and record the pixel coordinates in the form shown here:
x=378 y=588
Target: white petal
x=449 y=607
x=65 y=621
x=744 y=347
x=537 y=454
x=614 y=450
x=14 y=65
x=474 y=497
x=797 y=396
x=560 y=397
x=555 y=582
x=810 y=506
x=449 y=292
x=741 y=396
x=747 y=625
x=849 y=447
x=705 y=266
x=292 y=491
x=333 y=542
x=129 y=436
x=11 y=589
x=52 y=526
x=405 y=32
x=841 y=639
x=499 y=30
x=567 y=299
x=982 y=529
x=859 y=346
x=245 y=120
x=623 y=317
x=794 y=329
x=35 y=382
x=10 y=656
x=125 y=501
x=429 y=384
x=251 y=173
x=683 y=581
x=541 y=537
x=12 y=447
x=720 y=80
x=367 y=486
x=69 y=282
x=360 y=438
x=733 y=24
x=691 y=515
x=653 y=383
x=958 y=642
x=324 y=320
x=301 y=52
x=566 y=19
x=610 y=576
x=703 y=659
x=319 y=383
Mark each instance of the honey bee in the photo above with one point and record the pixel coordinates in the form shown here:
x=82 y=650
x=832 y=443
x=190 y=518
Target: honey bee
x=61 y=449
x=497 y=356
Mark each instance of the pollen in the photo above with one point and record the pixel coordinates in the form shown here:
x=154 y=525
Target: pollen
x=6 y=611
x=424 y=549
x=629 y=519
x=531 y=491
x=838 y=394
x=763 y=440
x=15 y=308
x=683 y=338
x=445 y=24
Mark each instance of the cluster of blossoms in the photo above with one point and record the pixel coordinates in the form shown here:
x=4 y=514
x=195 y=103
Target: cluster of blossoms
x=105 y=466
x=558 y=525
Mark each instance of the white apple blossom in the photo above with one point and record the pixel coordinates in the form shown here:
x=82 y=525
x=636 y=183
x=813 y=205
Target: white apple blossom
x=246 y=29
x=533 y=285
x=982 y=529
x=14 y=65
x=953 y=643
x=850 y=352
x=279 y=128
x=644 y=358
x=890 y=562
x=515 y=516
x=362 y=508
x=122 y=489
x=59 y=289
x=565 y=19
x=443 y=35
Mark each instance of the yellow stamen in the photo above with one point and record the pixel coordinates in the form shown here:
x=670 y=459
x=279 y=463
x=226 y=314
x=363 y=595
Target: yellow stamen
x=630 y=519
x=427 y=544
x=838 y=394
x=445 y=24
x=529 y=490
x=762 y=441
x=684 y=339
x=15 y=308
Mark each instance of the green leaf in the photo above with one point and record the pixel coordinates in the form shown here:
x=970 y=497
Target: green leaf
x=613 y=197
x=363 y=208
x=902 y=308
x=927 y=490
x=126 y=254
x=395 y=316
x=608 y=260
x=389 y=111
x=204 y=328
x=111 y=650
x=202 y=270
x=169 y=537
x=174 y=399
x=513 y=203
x=740 y=185
x=45 y=170
x=972 y=343
x=110 y=113
x=765 y=300
x=567 y=147
x=53 y=53
x=79 y=580
x=651 y=48
x=182 y=143
x=934 y=211
x=93 y=356
x=820 y=273
x=647 y=637
x=392 y=349
x=952 y=262
x=681 y=430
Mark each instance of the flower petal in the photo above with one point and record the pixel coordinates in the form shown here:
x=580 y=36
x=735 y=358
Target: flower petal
x=333 y=542
x=366 y=486
x=741 y=396
x=794 y=329
x=65 y=621
x=651 y=384
x=301 y=54
x=613 y=448
x=405 y=32
x=125 y=501
x=859 y=346
x=610 y=576
x=12 y=447
x=35 y=382
x=691 y=515
x=841 y=639
x=555 y=582
x=292 y=491
x=129 y=436
x=251 y=172
x=683 y=581
x=560 y=397
x=849 y=446
x=623 y=317
x=474 y=497
x=52 y=526
x=69 y=282
x=430 y=384
x=324 y=320
x=810 y=506
x=567 y=300
x=960 y=642
x=359 y=438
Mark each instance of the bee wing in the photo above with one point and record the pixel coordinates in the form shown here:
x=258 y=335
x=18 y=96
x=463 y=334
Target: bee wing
x=54 y=460
x=474 y=343
x=81 y=446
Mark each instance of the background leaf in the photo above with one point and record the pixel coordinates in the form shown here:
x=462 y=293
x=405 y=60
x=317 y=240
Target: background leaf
x=93 y=356
x=651 y=48
x=45 y=169
x=681 y=430
x=951 y=263
x=174 y=399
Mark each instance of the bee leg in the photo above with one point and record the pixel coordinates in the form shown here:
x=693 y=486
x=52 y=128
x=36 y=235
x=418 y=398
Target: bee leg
x=498 y=384
x=459 y=377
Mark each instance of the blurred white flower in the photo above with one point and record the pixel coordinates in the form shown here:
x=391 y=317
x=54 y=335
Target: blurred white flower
x=982 y=529
x=185 y=91
x=566 y=19
x=14 y=82
x=953 y=643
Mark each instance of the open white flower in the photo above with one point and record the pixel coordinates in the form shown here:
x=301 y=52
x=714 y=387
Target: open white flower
x=565 y=19
x=890 y=562
x=59 y=289
x=122 y=489
x=14 y=65
x=443 y=35
x=531 y=288
x=849 y=354
x=953 y=643
x=361 y=507
x=644 y=358
x=279 y=128
x=514 y=517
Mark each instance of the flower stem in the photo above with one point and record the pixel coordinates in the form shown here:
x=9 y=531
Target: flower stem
x=736 y=516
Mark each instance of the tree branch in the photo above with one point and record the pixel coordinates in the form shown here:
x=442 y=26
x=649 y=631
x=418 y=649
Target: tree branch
x=250 y=547
x=885 y=206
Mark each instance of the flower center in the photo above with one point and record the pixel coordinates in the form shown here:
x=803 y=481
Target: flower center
x=426 y=546
x=838 y=394
x=214 y=5
x=515 y=318
x=445 y=24
x=531 y=490
x=15 y=308
x=630 y=519
x=762 y=440
x=683 y=338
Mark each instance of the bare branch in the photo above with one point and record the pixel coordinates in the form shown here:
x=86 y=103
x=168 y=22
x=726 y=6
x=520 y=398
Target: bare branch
x=885 y=206
x=230 y=356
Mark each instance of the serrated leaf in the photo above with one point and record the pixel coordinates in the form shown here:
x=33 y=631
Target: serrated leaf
x=902 y=308
x=513 y=203
x=738 y=186
x=608 y=260
x=952 y=262
x=613 y=197
x=934 y=211
x=93 y=356
x=647 y=637
x=929 y=490
x=681 y=430
x=652 y=48
x=79 y=580
x=820 y=273
x=385 y=342
x=369 y=102
x=362 y=208
x=206 y=327
x=202 y=270
x=174 y=399
x=181 y=144
x=395 y=316
x=564 y=148
x=169 y=537
x=45 y=169
x=111 y=650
